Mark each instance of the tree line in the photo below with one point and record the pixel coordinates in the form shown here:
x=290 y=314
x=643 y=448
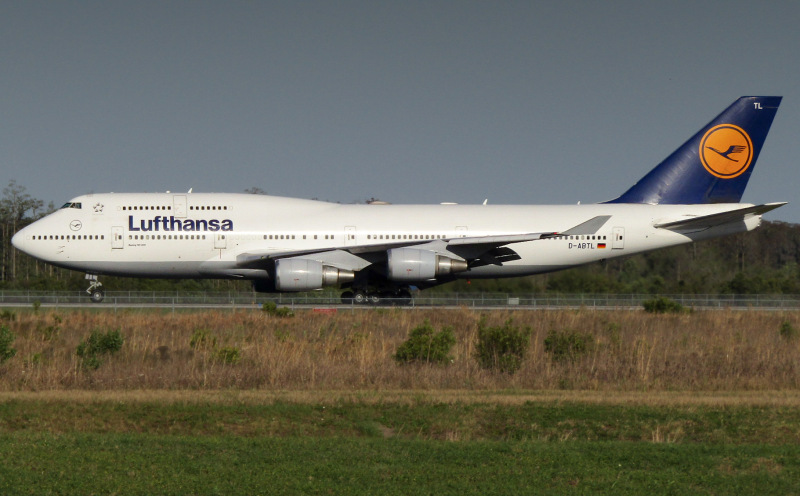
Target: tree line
x=765 y=261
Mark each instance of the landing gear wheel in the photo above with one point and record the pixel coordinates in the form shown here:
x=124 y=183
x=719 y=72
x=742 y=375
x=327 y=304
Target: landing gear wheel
x=404 y=297
x=95 y=290
x=359 y=297
x=347 y=298
x=374 y=298
x=97 y=295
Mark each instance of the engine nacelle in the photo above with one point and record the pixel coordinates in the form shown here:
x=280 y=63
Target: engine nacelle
x=302 y=274
x=410 y=264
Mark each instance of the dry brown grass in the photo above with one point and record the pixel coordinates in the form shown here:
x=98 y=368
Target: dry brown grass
x=715 y=399
x=721 y=351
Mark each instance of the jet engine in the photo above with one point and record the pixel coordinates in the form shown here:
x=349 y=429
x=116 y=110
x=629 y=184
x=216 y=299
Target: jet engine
x=302 y=274
x=409 y=264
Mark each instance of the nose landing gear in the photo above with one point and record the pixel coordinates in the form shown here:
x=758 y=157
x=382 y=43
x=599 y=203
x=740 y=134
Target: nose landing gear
x=95 y=290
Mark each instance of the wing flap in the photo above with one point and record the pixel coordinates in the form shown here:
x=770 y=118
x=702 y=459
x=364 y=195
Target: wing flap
x=475 y=247
x=341 y=259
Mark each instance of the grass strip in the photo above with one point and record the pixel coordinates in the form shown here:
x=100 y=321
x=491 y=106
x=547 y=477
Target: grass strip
x=425 y=420
x=81 y=463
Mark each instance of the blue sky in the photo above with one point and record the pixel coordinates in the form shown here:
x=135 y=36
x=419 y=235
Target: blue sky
x=409 y=102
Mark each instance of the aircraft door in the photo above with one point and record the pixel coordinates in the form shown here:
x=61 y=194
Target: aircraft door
x=179 y=206
x=618 y=238
x=350 y=236
x=117 y=237
x=220 y=241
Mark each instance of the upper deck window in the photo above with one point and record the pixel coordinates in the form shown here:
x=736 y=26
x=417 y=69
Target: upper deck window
x=72 y=205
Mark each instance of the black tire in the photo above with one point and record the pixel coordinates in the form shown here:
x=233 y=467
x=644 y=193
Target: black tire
x=388 y=298
x=359 y=297
x=374 y=299
x=404 y=297
x=97 y=296
x=347 y=298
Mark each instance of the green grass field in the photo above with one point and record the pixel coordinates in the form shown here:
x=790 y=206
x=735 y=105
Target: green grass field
x=152 y=464
x=412 y=444
x=248 y=403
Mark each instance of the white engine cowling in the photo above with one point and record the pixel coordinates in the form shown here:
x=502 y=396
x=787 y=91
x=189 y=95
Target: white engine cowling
x=410 y=264
x=302 y=274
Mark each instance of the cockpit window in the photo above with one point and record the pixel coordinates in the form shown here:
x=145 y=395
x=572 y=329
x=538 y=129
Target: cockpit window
x=72 y=205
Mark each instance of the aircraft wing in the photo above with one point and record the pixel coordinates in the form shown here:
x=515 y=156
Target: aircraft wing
x=478 y=250
x=483 y=247
x=703 y=222
x=360 y=256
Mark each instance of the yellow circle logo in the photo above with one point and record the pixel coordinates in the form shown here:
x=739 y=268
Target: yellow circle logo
x=726 y=151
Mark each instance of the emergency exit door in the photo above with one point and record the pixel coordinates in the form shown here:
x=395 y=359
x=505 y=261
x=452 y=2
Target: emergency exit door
x=618 y=238
x=117 y=237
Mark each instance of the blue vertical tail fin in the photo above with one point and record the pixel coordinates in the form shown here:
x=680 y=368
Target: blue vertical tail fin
x=714 y=165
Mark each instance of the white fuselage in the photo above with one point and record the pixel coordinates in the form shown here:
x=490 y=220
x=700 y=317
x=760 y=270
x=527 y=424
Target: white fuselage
x=204 y=235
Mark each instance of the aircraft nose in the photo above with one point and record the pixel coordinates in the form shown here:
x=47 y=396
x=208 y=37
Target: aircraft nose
x=18 y=240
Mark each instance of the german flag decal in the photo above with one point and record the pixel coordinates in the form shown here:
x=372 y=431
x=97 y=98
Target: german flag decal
x=601 y=245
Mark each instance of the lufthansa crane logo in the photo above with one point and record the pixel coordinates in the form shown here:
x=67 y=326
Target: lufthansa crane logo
x=726 y=151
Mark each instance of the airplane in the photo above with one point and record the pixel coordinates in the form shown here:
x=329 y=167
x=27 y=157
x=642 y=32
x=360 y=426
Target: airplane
x=382 y=251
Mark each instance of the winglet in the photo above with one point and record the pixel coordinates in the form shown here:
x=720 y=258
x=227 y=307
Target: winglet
x=591 y=226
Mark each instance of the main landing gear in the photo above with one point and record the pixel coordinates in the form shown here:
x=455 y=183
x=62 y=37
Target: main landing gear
x=366 y=297
x=96 y=291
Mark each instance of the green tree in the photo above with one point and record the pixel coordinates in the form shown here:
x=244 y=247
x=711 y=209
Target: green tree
x=17 y=209
x=503 y=347
x=426 y=345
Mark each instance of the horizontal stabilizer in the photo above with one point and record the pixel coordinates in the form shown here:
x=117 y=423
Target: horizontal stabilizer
x=708 y=221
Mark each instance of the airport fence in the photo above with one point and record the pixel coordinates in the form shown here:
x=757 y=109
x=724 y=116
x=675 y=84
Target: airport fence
x=422 y=299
